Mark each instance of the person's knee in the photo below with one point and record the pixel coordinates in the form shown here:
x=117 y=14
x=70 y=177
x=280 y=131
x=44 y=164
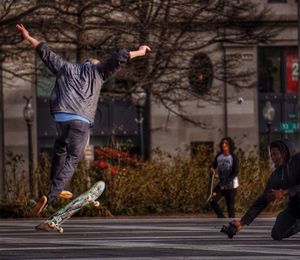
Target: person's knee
x=276 y=235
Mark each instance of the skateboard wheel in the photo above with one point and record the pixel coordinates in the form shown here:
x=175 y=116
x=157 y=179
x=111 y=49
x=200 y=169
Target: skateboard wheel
x=96 y=203
x=61 y=230
x=89 y=198
x=52 y=224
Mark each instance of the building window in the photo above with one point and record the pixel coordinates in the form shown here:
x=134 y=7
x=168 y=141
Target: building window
x=278 y=84
x=278 y=70
x=200 y=73
x=277 y=1
x=45 y=79
x=203 y=151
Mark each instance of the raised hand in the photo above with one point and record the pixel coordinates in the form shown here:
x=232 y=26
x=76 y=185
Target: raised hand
x=144 y=49
x=237 y=224
x=140 y=52
x=26 y=35
x=23 y=30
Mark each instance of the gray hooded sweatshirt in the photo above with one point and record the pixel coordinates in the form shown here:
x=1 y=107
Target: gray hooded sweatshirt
x=77 y=86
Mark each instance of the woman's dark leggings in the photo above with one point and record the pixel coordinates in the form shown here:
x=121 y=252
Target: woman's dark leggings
x=229 y=196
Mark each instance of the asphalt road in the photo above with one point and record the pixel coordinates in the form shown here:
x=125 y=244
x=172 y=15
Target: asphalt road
x=143 y=238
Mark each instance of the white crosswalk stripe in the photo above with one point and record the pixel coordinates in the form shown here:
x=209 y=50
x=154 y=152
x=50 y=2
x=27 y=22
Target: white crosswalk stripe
x=143 y=238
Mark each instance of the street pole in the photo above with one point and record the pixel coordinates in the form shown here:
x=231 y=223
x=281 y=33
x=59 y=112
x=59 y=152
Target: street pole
x=141 y=131
x=28 y=114
x=139 y=98
x=269 y=124
x=225 y=87
x=2 y=147
x=30 y=157
x=298 y=96
x=268 y=112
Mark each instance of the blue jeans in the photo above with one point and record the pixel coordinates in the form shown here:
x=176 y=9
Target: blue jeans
x=68 y=150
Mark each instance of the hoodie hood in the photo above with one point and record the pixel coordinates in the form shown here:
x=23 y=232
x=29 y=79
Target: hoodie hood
x=285 y=144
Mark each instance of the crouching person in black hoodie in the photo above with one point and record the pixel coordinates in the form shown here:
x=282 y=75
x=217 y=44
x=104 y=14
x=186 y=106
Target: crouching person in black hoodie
x=284 y=181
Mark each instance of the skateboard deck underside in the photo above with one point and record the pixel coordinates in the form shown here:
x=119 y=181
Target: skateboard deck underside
x=211 y=181
x=59 y=217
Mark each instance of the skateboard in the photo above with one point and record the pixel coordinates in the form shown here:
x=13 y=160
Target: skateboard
x=55 y=221
x=210 y=187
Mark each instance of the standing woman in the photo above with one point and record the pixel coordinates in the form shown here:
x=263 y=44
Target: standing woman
x=227 y=165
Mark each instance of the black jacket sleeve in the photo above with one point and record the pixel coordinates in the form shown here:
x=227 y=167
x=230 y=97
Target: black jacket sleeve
x=52 y=60
x=259 y=205
x=294 y=169
x=112 y=64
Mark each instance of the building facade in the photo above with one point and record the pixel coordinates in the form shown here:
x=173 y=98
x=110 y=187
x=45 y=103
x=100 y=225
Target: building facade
x=274 y=74
x=274 y=77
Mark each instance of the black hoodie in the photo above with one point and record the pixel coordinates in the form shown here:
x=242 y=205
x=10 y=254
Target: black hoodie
x=284 y=177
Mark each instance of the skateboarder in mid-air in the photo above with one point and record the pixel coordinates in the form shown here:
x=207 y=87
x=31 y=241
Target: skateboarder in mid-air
x=283 y=182
x=73 y=104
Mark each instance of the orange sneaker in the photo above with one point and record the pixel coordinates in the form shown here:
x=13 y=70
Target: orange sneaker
x=65 y=195
x=39 y=206
x=44 y=227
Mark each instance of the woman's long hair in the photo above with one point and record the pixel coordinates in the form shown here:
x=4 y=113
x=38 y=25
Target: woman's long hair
x=230 y=142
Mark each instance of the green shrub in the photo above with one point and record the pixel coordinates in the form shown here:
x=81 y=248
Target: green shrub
x=166 y=184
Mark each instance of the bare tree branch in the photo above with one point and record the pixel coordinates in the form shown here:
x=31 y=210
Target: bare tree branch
x=176 y=30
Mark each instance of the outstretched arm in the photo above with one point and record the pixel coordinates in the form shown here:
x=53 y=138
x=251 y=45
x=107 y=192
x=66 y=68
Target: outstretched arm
x=52 y=60
x=110 y=65
x=26 y=36
x=140 y=52
x=259 y=205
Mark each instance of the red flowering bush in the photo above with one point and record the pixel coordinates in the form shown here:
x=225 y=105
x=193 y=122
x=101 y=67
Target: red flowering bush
x=112 y=159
